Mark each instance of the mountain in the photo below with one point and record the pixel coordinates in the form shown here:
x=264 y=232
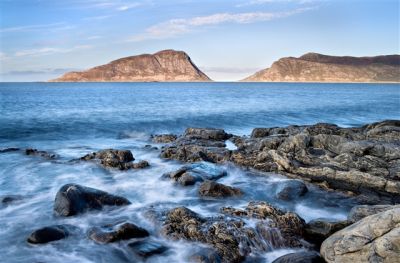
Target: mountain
x=166 y=65
x=313 y=67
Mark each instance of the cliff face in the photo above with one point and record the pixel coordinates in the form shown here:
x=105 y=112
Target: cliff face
x=313 y=67
x=166 y=65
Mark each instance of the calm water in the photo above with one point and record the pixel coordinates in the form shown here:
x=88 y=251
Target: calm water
x=74 y=119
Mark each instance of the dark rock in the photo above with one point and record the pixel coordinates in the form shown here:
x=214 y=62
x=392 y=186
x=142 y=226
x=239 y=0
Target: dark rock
x=117 y=232
x=291 y=190
x=10 y=199
x=73 y=199
x=120 y=159
x=147 y=249
x=11 y=149
x=360 y=211
x=164 y=138
x=317 y=230
x=43 y=154
x=196 y=172
x=300 y=257
x=212 y=189
x=48 y=234
x=205 y=256
x=207 y=134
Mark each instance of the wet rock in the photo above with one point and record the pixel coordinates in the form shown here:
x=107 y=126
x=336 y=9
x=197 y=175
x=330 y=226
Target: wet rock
x=205 y=256
x=11 y=149
x=291 y=190
x=360 y=211
x=375 y=238
x=196 y=172
x=145 y=249
x=231 y=237
x=43 y=154
x=118 y=232
x=120 y=159
x=317 y=230
x=48 y=234
x=6 y=200
x=300 y=257
x=164 y=138
x=207 y=134
x=73 y=199
x=212 y=189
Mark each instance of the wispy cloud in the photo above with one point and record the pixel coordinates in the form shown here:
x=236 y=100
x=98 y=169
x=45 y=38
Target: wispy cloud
x=174 y=27
x=39 y=71
x=128 y=6
x=260 y=2
x=117 y=5
x=25 y=28
x=90 y=18
x=49 y=50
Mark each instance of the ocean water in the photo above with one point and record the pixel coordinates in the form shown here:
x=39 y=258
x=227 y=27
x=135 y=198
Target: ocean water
x=73 y=119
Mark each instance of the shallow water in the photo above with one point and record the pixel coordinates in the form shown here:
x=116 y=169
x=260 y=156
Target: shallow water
x=72 y=120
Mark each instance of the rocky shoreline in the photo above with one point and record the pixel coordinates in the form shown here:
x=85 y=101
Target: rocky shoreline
x=362 y=162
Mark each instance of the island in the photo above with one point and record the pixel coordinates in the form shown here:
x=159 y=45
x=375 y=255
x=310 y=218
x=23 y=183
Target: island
x=164 y=66
x=314 y=67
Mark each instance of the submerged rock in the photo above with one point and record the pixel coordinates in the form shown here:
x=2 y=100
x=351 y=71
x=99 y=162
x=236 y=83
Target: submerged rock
x=117 y=232
x=6 y=200
x=74 y=199
x=300 y=257
x=196 y=172
x=146 y=248
x=375 y=238
x=48 y=234
x=120 y=159
x=213 y=189
x=291 y=190
x=43 y=154
x=11 y=149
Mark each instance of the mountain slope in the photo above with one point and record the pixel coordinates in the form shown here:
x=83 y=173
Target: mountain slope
x=313 y=67
x=166 y=65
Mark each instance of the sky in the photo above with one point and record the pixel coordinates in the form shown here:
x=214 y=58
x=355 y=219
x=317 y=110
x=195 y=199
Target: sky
x=227 y=39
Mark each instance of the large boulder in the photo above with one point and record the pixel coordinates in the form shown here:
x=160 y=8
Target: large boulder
x=317 y=230
x=112 y=158
x=212 y=189
x=300 y=257
x=375 y=238
x=207 y=134
x=116 y=232
x=48 y=234
x=74 y=199
x=145 y=248
x=290 y=189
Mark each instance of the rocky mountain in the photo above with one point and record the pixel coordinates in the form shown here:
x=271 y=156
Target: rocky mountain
x=166 y=65
x=313 y=67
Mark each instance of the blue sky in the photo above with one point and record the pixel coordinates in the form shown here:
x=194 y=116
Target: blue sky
x=227 y=39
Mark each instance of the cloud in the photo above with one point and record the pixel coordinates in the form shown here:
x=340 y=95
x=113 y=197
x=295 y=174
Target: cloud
x=117 y=5
x=52 y=26
x=39 y=71
x=128 y=6
x=49 y=50
x=260 y=2
x=176 y=27
x=90 y=18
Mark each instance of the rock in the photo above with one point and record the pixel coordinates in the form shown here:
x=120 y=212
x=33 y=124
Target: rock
x=43 y=154
x=360 y=211
x=147 y=249
x=317 y=230
x=375 y=238
x=10 y=199
x=230 y=236
x=196 y=172
x=207 y=134
x=120 y=159
x=206 y=255
x=11 y=149
x=291 y=190
x=74 y=199
x=213 y=189
x=48 y=234
x=300 y=257
x=164 y=138
x=117 y=232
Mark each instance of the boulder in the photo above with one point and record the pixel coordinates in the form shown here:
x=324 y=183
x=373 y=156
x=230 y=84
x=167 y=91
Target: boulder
x=207 y=134
x=48 y=234
x=290 y=190
x=116 y=232
x=164 y=138
x=43 y=154
x=212 y=189
x=317 y=230
x=74 y=199
x=375 y=238
x=6 y=200
x=300 y=257
x=360 y=211
x=120 y=159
